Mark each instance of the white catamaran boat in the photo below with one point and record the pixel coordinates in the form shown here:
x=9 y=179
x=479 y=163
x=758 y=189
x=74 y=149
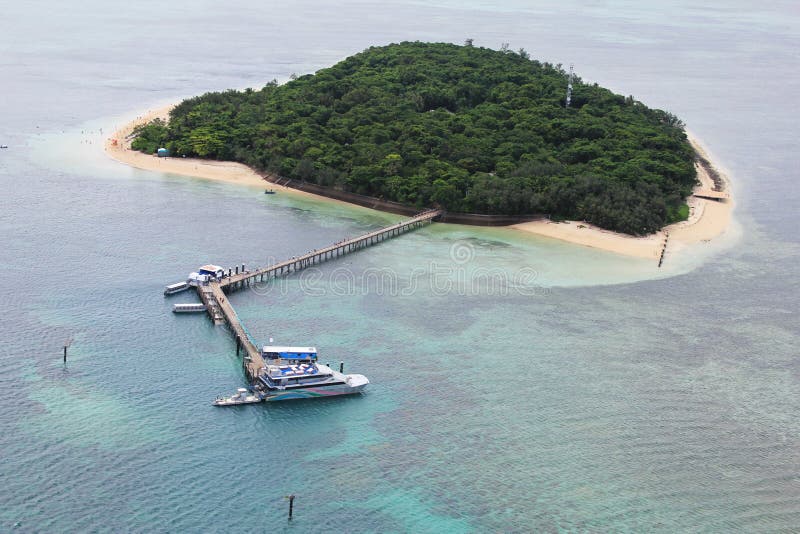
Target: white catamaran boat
x=293 y=373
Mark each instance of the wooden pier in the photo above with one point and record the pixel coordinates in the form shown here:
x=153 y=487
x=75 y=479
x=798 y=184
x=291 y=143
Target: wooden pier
x=221 y=311
x=341 y=248
x=252 y=362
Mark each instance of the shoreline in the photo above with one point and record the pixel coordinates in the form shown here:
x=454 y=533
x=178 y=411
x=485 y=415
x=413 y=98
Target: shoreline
x=118 y=147
x=707 y=220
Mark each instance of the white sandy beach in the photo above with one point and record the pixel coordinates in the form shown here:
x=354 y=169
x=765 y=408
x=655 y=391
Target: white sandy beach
x=707 y=219
x=118 y=146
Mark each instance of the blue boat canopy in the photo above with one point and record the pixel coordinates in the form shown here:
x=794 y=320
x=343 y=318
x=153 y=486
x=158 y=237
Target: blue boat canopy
x=290 y=353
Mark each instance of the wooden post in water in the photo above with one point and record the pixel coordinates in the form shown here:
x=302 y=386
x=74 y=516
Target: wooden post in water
x=67 y=343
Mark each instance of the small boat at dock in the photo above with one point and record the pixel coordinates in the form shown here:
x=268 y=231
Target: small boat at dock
x=242 y=396
x=176 y=288
x=193 y=307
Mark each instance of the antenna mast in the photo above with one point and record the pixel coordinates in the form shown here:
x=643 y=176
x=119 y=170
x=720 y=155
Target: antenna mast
x=569 y=86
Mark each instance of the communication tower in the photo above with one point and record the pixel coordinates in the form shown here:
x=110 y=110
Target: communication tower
x=569 y=86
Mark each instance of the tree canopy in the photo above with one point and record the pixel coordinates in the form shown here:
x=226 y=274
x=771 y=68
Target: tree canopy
x=469 y=129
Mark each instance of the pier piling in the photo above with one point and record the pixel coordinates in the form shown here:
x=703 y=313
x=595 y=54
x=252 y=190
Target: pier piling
x=663 y=249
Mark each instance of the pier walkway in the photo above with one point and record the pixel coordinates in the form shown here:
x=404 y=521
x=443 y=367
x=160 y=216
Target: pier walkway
x=221 y=311
x=251 y=360
x=333 y=251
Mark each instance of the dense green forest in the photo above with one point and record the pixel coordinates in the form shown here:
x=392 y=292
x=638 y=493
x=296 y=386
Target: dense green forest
x=466 y=128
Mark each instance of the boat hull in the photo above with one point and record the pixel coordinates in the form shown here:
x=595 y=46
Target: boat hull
x=236 y=401
x=168 y=292
x=313 y=393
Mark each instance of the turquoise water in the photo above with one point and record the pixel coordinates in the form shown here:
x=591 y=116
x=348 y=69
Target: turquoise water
x=517 y=384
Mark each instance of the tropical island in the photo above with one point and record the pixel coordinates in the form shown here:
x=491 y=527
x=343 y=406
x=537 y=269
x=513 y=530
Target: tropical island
x=464 y=128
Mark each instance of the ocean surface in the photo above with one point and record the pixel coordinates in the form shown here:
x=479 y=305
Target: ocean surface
x=518 y=384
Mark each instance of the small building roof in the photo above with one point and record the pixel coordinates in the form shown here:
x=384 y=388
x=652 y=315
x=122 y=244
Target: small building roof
x=211 y=268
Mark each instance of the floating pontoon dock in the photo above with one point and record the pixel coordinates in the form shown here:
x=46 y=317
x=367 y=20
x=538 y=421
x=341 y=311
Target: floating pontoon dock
x=189 y=308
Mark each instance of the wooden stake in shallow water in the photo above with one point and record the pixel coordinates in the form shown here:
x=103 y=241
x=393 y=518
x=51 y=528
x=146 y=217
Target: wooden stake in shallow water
x=291 y=505
x=67 y=343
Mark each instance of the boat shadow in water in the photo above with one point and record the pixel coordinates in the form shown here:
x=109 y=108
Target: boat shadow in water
x=292 y=408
